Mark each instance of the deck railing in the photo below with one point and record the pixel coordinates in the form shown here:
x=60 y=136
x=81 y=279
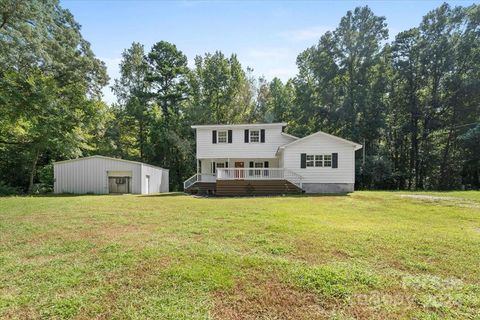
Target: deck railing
x=246 y=174
x=259 y=174
x=199 y=177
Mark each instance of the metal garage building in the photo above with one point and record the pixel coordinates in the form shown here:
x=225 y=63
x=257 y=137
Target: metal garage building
x=103 y=175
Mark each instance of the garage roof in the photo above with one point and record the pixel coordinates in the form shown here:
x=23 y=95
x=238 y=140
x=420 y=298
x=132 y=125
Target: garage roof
x=108 y=158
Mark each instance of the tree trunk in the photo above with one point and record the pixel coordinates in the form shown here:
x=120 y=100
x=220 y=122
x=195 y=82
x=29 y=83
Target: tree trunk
x=32 y=171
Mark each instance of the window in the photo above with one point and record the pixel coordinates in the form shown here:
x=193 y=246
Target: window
x=220 y=165
x=254 y=136
x=318 y=160
x=222 y=136
x=310 y=162
x=120 y=180
x=258 y=165
x=327 y=160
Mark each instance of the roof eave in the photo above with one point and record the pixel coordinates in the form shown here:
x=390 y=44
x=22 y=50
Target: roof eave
x=202 y=126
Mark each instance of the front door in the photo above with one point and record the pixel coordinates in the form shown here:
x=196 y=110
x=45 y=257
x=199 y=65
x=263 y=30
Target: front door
x=239 y=174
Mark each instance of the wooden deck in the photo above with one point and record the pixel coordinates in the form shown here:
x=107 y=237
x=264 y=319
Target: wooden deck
x=234 y=188
x=255 y=187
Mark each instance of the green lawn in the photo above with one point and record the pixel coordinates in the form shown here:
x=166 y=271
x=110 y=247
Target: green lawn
x=365 y=255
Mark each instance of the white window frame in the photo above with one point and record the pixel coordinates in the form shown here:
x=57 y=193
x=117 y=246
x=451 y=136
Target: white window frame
x=327 y=162
x=257 y=137
x=310 y=160
x=222 y=136
x=318 y=161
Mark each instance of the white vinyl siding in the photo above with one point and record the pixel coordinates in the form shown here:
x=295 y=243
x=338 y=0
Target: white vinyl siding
x=325 y=146
x=238 y=148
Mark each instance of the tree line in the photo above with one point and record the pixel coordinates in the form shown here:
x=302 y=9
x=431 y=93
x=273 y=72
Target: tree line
x=412 y=101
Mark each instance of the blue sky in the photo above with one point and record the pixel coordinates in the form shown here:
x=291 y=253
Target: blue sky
x=266 y=35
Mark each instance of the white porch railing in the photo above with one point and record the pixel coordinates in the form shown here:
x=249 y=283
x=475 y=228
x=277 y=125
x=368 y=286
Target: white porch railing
x=259 y=174
x=199 y=177
x=246 y=174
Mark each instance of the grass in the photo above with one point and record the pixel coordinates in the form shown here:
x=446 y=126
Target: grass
x=361 y=256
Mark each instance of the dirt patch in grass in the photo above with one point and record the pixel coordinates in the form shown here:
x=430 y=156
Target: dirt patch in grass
x=460 y=202
x=268 y=299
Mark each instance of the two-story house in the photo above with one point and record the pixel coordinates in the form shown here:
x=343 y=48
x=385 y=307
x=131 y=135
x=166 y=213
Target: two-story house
x=260 y=159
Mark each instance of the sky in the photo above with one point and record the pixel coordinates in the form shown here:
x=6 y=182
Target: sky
x=266 y=35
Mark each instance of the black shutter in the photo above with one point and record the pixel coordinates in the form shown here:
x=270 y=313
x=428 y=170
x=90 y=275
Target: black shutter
x=246 y=135
x=229 y=136
x=303 y=160
x=214 y=167
x=265 y=164
x=334 y=160
x=214 y=136
x=226 y=164
x=262 y=135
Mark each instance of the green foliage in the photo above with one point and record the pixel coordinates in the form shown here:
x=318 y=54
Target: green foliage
x=413 y=103
x=50 y=84
x=6 y=190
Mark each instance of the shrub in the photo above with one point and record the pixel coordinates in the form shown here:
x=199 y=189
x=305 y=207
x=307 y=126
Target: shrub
x=6 y=190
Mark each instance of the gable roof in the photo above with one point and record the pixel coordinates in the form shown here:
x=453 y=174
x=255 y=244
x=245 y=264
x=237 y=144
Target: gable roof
x=290 y=136
x=357 y=146
x=243 y=125
x=108 y=158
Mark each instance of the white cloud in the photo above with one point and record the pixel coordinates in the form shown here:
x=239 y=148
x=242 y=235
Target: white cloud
x=309 y=33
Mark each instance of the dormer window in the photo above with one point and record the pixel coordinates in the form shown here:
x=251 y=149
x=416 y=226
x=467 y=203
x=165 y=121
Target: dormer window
x=222 y=136
x=254 y=135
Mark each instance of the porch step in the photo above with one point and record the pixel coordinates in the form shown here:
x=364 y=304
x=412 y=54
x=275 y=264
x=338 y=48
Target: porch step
x=202 y=188
x=255 y=187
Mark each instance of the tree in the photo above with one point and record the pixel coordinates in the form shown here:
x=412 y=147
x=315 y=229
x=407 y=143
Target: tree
x=133 y=93
x=221 y=90
x=50 y=87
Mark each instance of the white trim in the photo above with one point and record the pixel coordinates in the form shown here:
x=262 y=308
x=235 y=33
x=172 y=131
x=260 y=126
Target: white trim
x=356 y=145
x=109 y=158
x=289 y=135
x=243 y=125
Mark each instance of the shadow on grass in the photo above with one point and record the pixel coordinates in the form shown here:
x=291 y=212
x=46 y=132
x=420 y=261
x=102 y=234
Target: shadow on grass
x=166 y=194
x=286 y=196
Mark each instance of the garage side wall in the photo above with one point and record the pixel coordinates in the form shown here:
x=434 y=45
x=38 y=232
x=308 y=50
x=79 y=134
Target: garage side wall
x=158 y=179
x=90 y=175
